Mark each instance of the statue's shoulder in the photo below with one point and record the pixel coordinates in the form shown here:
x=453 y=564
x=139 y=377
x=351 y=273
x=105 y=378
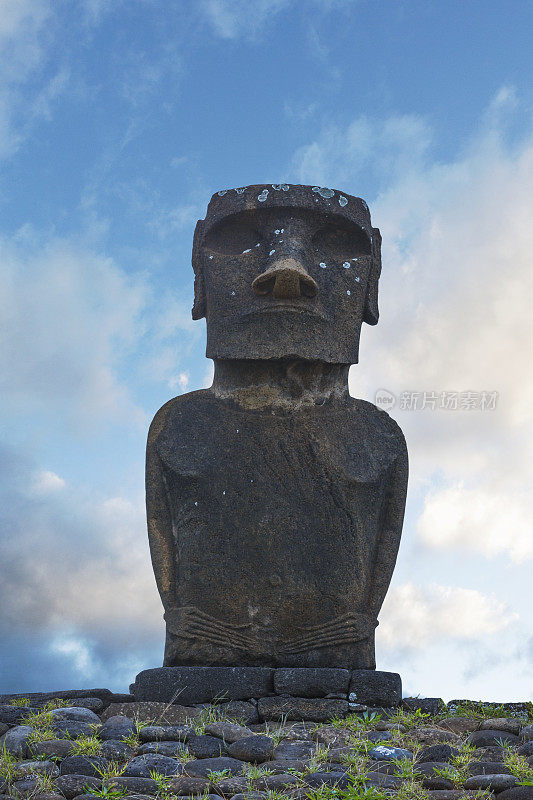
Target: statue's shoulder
x=376 y=423
x=182 y=412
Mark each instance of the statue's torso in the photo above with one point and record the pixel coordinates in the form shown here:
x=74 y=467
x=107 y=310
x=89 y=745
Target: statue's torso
x=276 y=520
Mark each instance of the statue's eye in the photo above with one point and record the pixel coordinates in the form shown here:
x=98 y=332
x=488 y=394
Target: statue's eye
x=233 y=237
x=341 y=242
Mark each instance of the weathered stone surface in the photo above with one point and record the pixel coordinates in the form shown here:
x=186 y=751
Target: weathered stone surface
x=40 y=767
x=53 y=748
x=427 y=705
x=183 y=785
x=206 y=746
x=39 y=698
x=116 y=728
x=134 y=785
x=526 y=734
x=228 y=731
x=384 y=753
x=252 y=748
x=202 y=768
x=526 y=749
x=508 y=724
x=143 y=766
x=14 y=741
x=488 y=768
x=276 y=783
x=228 y=787
x=518 y=793
x=428 y=768
x=379 y=736
x=72 y=729
x=316 y=779
x=72 y=785
x=76 y=713
x=492 y=737
x=171 y=749
x=84 y=765
x=459 y=725
x=437 y=752
x=226 y=504
x=14 y=715
x=115 y=750
x=239 y=711
x=497 y=783
x=308 y=682
x=190 y=685
x=158 y=713
x=301 y=708
x=332 y=737
x=375 y=688
x=427 y=735
x=168 y=733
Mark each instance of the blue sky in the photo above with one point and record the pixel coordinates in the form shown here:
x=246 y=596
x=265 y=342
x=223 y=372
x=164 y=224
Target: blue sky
x=118 y=120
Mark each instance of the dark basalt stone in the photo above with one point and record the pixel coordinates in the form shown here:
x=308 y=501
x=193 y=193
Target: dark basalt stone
x=490 y=738
x=188 y=685
x=275 y=500
x=302 y=682
x=375 y=688
x=252 y=748
x=301 y=708
x=202 y=768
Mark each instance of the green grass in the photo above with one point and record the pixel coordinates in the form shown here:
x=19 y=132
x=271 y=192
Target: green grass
x=86 y=746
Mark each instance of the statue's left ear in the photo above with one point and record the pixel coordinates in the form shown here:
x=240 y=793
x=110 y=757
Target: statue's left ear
x=199 y=307
x=371 y=310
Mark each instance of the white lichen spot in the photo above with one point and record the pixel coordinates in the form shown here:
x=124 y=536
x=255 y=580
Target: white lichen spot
x=258 y=244
x=222 y=192
x=196 y=502
x=342 y=200
x=247 y=251
x=241 y=190
x=365 y=205
x=324 y=192
x=346 y=265
x=271 y=252
x=276 y=186
x=263 y=196
x=348 y=292
x=224 y=491
x=285 y=187
x=233 y=294
x=357 y=278
x=282 y=230
x=251 y=480
x=211 y=257
x=277 y=231
x=355 y=259
x=322 y=265
x=236 y=430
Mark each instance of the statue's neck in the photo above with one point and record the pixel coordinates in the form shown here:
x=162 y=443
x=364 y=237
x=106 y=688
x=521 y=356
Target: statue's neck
x=285 y=384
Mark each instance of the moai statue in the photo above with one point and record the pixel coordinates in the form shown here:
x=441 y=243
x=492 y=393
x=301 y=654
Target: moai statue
x=275 y=500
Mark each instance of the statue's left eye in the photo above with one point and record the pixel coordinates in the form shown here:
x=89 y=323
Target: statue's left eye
x=341 y=242
x=234 y=236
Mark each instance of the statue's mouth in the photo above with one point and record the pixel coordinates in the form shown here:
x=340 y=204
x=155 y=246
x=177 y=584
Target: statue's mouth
x=284 y=307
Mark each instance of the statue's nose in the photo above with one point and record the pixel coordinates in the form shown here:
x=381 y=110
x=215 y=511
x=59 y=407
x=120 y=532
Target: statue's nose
x=285 y=279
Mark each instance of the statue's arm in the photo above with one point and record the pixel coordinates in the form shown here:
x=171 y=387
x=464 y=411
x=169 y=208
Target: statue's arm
x=391 y=530
x=159 y=516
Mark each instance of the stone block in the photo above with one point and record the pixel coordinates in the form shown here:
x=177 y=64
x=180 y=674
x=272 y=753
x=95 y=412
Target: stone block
x=301 y=708
x=189 y=685
x=311 y=682
x=375 y=688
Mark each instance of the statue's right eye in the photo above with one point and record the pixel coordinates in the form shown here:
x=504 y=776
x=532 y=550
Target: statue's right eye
x=233 y=237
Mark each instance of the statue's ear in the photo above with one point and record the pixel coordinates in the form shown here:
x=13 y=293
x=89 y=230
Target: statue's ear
x=199 y=306
x=371 y=310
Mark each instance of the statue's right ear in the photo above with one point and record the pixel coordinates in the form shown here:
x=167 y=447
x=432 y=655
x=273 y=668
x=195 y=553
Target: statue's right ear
x=199 y=306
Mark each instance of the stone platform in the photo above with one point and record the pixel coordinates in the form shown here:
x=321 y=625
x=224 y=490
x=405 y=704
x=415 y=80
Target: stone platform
x=272 y=688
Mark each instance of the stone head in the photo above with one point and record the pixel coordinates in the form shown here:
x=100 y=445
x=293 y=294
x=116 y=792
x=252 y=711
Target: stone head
x=286 y=271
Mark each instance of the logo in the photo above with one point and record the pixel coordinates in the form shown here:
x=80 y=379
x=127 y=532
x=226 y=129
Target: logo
x=385 y=399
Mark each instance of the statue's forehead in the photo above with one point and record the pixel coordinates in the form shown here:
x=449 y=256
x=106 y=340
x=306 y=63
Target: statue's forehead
x=285 y=196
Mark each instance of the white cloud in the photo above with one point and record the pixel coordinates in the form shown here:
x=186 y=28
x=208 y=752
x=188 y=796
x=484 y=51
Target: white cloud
x=416 y=616
x=69 y=317
x=483 y=519
x=46 y=481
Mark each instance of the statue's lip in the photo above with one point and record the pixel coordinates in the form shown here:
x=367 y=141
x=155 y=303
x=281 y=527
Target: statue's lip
x=280 y=307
